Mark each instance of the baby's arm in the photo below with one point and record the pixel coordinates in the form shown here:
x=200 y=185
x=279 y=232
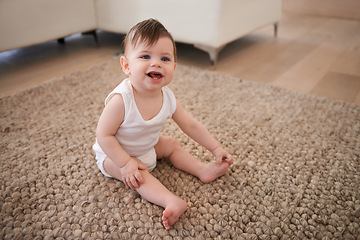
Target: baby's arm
x=109 y=122
x=200 y=134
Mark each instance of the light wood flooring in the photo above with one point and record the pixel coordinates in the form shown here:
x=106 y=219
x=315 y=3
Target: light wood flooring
x=315 y=55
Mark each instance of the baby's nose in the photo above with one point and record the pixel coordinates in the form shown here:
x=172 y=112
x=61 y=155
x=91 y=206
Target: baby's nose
x=155 y=62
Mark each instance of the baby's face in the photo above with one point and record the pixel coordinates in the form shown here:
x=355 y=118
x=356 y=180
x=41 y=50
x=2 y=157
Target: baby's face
x=150 y=67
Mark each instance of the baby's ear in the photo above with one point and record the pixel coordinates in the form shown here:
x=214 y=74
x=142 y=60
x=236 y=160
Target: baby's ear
x=125 y=65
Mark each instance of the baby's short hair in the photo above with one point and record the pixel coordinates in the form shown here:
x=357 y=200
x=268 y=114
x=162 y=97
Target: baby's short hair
x=149 y=31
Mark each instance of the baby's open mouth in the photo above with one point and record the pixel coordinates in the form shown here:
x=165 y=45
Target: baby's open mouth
x=154 y=75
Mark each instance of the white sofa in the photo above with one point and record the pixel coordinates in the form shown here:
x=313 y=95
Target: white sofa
x=207 y=24
x=27 y=22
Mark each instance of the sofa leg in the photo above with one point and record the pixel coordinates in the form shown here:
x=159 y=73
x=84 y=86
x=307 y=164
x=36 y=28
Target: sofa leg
x=93 y=32
x=275 y=30
x=213 y=52
x=61 y=40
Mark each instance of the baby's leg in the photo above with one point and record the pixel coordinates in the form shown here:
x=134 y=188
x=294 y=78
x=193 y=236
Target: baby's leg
x=154 y=191
x=168 y=147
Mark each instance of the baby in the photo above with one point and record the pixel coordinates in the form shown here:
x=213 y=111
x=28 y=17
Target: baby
x=128 y=140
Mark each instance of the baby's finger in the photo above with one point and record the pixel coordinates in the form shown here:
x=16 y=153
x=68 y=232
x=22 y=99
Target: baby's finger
x=134 y=183
x=124 y=181
x=142 y=166
x=139 y=177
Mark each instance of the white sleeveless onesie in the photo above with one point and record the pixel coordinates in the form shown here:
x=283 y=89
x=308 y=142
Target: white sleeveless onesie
x=137 y=136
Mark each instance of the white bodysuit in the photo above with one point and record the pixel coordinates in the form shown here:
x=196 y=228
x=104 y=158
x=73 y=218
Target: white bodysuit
x=135 y=135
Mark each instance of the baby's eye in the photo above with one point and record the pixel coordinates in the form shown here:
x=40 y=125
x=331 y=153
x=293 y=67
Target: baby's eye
x=165 y=59
x=145 y=57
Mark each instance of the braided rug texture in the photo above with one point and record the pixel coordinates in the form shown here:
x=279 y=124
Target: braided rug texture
x=296 y=172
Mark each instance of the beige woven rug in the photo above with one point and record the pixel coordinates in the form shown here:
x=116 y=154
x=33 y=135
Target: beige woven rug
x=296 y=172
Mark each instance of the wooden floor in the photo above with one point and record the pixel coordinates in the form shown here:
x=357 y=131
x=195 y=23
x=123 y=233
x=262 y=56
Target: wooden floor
x=314 y=55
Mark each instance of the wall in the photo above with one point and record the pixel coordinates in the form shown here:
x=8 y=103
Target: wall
x=349 y=9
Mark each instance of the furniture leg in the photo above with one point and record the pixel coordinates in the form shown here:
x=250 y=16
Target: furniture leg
x=61 y=40
x=212 y=51
x=93 y=32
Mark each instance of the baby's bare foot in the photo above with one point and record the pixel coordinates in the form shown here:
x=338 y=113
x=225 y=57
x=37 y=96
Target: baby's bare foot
x=173 y=211
x=212 y=171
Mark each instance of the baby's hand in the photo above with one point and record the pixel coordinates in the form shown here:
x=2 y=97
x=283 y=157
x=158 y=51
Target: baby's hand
x=131 y=175
x=221 y=155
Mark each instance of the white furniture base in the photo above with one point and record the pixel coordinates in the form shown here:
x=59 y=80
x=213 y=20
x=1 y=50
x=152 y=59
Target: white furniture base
x=207 y=24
